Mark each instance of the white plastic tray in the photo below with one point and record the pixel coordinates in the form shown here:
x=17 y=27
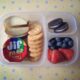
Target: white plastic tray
x=43 y=18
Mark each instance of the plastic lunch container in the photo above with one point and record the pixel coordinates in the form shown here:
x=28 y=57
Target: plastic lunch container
x=43 y=19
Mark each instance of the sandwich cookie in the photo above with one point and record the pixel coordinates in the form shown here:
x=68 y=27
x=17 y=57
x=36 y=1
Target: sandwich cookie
x=55 y=23
x=62 y=28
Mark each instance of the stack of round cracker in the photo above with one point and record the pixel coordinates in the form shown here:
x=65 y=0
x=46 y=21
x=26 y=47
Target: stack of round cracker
x=35 y=41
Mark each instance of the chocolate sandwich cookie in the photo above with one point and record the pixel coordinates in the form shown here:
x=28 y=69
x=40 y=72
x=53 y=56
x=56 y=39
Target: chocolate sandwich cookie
x=55 y=23
x=62 y=28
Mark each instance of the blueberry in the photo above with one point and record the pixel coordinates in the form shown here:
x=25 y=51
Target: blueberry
x=64 y=45
x=59 y=44
x=52 y=43
x=58 y=39
x=66 y=39
x=52 y=46
x=49 y=44
x=70 y=44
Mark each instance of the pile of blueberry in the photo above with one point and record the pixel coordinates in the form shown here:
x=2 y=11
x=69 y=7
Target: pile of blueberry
x=60 y=42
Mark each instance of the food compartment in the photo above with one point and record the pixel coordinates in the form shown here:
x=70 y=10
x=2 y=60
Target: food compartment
x=10 y=41
x=61 y=23
x=62 y=50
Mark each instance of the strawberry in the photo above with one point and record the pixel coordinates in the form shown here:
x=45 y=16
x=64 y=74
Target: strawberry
x=55 y=56
x=49 y=54
x=68 y=53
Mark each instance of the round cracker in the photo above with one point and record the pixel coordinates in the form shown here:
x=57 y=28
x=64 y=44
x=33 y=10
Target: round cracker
x=36 y=29
x=36 y=37
x=38 y=41
x=33 y=55
x=34 y=59
x=35 y=50
x=36 y=46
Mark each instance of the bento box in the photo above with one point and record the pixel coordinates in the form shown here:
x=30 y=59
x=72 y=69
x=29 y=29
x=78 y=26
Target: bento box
x=38 y=38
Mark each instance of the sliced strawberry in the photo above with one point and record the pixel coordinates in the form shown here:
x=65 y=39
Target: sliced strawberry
x=49 y=54
x=68 y=53
x=55 y=56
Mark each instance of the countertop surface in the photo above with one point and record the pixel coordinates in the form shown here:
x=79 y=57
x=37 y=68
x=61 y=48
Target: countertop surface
x=71 y=72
